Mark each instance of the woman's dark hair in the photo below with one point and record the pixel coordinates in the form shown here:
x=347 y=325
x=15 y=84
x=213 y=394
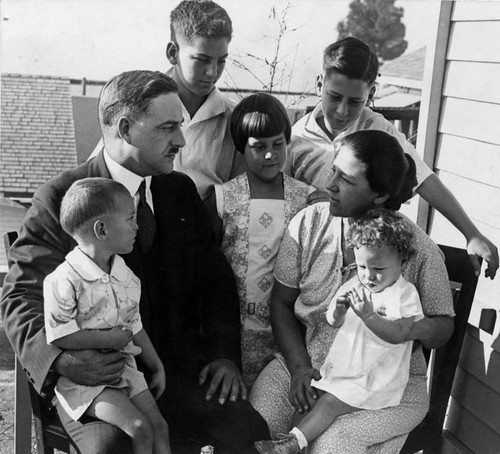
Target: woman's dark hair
x=259 y=115
x=352 y=58
x=388 y=169
x=380 y=227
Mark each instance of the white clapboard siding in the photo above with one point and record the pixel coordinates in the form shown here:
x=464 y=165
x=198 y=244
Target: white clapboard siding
x=471 y=11
x=472 y=159
x=473 y=80
x=471 y=119
x=474 y=41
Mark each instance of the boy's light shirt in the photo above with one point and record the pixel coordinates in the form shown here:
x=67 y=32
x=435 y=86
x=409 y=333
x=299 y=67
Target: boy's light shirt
x=312 y=152
x=129 y=179
x=91 y=282
x=209 y=153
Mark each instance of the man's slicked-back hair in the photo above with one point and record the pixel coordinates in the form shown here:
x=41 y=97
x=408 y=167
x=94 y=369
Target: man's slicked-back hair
x=130 y=93
x=352 y=58
x=192 y=19
x=87 y=199
x=259 y=115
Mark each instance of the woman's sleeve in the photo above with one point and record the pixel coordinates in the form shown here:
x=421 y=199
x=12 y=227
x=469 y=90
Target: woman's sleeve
x=287 y=270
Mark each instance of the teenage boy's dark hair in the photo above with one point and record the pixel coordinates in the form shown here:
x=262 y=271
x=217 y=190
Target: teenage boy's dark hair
x=191 y=19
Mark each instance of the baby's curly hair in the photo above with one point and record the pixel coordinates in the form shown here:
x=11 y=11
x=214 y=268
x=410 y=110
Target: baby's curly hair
x=380 y=227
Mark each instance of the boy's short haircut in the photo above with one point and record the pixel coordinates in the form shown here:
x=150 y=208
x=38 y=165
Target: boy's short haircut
x=381 y=227
x=352 y=58
x=259 y=115
x=87 y=199
x=130 y=94
x=192 y=19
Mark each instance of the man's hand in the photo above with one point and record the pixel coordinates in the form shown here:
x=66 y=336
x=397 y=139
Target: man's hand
x=225 y=372
x=118 y=337
x=157 y=383
x=341 y=305
x=480 y=246
x=302 y=395
x=90 y=367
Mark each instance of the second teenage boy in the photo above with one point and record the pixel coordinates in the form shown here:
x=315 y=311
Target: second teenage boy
x=200 y=35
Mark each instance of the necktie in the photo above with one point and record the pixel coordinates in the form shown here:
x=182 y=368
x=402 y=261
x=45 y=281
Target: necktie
x=145 y=221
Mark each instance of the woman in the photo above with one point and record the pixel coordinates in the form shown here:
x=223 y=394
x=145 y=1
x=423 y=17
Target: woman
x=369 y=171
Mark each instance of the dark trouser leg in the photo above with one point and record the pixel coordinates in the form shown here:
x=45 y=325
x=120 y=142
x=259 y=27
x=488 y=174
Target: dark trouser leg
x=92 y=436
x=230 y=428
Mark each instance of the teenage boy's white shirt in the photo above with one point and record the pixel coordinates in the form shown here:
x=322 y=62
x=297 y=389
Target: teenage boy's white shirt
x=209 y=156
x=129 y=179
x=311 y=153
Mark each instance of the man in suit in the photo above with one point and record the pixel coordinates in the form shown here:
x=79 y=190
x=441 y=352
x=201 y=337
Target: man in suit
x=189 y=304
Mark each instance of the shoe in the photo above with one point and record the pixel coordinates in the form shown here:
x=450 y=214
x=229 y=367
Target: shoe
x=286 y=444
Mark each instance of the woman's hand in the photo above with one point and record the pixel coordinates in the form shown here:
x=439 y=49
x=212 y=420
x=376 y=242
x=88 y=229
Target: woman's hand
x=302 y=395
x=480 y=246
x=118 y=338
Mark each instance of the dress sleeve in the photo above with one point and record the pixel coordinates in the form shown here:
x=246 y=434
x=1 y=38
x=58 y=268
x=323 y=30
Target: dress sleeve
x=60 y=307
x=410 y=303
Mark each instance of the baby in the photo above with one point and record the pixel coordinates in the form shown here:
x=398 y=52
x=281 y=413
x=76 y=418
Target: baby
x=367 y=366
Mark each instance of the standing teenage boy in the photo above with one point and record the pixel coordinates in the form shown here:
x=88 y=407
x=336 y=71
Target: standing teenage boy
x=200 y=33
x=189 y=303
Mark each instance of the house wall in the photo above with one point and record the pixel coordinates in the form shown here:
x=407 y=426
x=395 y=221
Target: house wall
x=465 y=151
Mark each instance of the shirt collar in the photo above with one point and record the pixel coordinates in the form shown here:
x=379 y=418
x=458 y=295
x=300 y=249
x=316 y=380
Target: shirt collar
x=90 y=271
x=124 y=176
x=312 y=126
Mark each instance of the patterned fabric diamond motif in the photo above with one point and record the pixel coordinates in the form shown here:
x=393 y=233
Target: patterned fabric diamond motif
x=265 y=251
x=266 y=220
x=264 y=284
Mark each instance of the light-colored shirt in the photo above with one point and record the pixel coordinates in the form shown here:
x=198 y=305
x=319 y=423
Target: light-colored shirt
x=129 y=179
x=78 y=294
x=209 y=156
x=311 y=154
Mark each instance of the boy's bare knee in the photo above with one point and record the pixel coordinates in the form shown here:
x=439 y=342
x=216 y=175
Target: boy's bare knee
x=160 y=427
x=142 y=431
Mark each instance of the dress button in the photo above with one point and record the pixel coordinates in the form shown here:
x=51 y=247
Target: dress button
x=105 y=279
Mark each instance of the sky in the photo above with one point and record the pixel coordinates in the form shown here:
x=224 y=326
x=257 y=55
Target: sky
x=98 y=39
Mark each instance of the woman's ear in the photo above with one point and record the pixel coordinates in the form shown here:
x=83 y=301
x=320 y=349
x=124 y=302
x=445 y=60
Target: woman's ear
x=381 y=199
x=319 y=84
x=124 y=129
x=171 y=52
x=100 y=230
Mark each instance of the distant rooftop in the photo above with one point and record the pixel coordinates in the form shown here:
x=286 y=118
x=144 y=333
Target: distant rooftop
x=408 y=66
x=38 y=135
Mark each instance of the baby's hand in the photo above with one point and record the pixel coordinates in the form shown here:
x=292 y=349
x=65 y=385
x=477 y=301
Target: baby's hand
x=119 y=337
x=342 y=304
x=157 y=383
x=361 y=303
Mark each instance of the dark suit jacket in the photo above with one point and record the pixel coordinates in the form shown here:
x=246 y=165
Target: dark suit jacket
x=189 y=303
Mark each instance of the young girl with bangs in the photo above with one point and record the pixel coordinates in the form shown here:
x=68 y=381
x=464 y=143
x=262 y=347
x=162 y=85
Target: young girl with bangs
x=250 y=214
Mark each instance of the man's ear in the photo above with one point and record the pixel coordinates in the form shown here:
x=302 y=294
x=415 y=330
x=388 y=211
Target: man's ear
x=172 y=52
x=100 y=229
x=381 y=199
x=319 y=84
x=124 y=129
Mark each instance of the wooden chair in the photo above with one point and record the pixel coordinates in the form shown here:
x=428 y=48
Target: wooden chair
x=428 y=435
x=49 y=432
